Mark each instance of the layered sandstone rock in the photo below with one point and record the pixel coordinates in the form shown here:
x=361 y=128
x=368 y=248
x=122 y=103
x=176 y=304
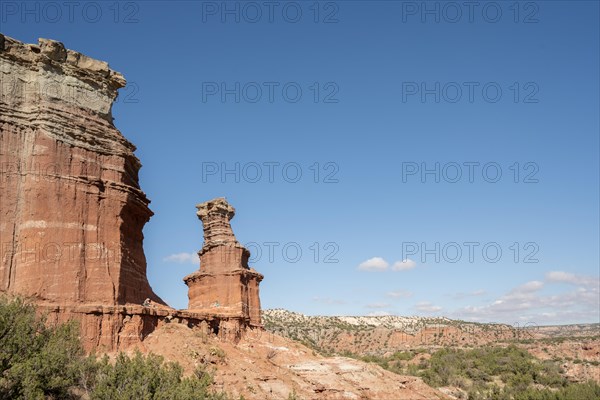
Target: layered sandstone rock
x=71 y=208
x=72 y=212
x=224 y=285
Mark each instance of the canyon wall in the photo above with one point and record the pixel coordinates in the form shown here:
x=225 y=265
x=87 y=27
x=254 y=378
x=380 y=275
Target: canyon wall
x=72 y=211
x=71 y=208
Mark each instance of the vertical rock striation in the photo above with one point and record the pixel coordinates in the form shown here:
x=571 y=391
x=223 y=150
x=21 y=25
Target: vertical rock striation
x=224 y=285
x=72 y=211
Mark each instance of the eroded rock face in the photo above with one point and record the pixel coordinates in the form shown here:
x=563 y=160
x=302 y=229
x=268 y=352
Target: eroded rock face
x=72 y=212
x=224 y=285
x=71 y=209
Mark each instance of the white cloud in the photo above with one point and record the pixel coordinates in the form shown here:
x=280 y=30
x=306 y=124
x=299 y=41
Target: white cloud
x=378 y=305
x=183 y=258
x=427 y=307
x=567 y=277
x=404 y=265
x=399 y=294
x=529 y=287
x=379 y=314
x=374 y=264
x=525 y=303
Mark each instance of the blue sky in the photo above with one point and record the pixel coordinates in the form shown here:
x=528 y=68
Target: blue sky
x=389 y=90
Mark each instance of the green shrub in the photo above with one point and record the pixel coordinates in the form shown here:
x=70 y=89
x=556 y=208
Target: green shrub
x=146 y=378
x=36 y=361
x=40 y=362
x=476 y=370
x=517 y=369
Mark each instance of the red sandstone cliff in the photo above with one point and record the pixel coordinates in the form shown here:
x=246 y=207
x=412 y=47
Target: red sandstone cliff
x=71 y=209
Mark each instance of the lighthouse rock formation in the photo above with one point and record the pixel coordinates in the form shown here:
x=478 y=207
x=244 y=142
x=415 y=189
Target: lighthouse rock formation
x=224 y=285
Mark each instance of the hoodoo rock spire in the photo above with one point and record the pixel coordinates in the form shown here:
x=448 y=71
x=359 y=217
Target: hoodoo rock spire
x=224 y=285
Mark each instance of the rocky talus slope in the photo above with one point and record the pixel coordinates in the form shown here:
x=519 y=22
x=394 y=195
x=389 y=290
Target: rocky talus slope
x=267 y=366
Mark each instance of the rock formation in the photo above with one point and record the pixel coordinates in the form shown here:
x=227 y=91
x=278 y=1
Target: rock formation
x=71 y=209
x=224 y=285
x=72 y=212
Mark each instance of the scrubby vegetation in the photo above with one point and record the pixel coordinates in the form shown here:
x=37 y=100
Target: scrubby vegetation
x=498 y=373
x=515 y=367
x=42 y=362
